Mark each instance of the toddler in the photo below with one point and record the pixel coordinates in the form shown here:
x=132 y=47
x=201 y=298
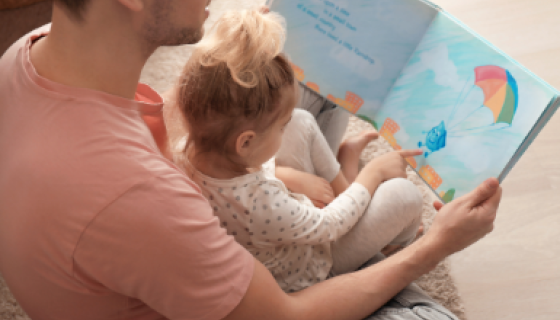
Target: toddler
x=237 y=94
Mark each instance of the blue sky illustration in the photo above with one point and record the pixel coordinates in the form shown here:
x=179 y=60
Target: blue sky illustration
x=438 y=84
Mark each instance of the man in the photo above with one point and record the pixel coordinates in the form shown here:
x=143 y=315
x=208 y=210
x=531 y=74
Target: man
x=95 y=223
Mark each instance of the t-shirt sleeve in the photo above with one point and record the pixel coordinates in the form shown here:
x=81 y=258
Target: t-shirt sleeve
x=160 y=243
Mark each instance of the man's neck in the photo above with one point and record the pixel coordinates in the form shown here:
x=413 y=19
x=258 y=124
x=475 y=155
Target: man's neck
x=75 y=55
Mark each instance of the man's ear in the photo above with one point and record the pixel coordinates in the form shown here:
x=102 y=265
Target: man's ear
x=134 y=5
x=245 y=142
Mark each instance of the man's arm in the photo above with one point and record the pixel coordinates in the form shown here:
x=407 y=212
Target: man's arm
x=357 y=295
x=350 y=296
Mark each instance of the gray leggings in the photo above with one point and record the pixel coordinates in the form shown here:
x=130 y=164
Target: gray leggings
x=397 y=199
x=331 y=120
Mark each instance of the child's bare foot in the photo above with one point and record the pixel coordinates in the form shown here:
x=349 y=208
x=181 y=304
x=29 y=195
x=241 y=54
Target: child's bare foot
x=391 y=249
x=350 y=151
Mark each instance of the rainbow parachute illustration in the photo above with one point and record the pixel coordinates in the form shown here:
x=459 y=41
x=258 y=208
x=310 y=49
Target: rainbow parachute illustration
x=500 y=92
x=500 y=96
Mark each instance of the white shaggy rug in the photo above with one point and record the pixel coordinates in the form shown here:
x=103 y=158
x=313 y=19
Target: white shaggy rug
x=161 y=72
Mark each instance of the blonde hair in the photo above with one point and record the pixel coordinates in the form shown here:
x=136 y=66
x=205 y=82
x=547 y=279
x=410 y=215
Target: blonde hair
x=233 y=80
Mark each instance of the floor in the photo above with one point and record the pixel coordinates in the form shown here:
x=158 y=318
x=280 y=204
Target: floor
x=514 y=273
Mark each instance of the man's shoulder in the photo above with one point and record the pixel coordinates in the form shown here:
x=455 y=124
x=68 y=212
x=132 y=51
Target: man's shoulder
x=145 y=176
x=152 y=188
x=164 y=178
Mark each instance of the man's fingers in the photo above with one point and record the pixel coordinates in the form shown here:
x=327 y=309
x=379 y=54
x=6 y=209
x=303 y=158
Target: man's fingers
x=410 y=153
x=493 y=202
x=485 y=191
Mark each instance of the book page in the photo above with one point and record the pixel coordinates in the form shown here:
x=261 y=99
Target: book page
x=352 y=51
x=466 y=104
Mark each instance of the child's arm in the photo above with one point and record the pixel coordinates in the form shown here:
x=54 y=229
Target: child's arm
x=280 y=219
x=339 y=184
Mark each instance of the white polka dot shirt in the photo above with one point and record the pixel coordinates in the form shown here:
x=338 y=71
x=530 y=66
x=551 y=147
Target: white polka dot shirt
x=283 y=230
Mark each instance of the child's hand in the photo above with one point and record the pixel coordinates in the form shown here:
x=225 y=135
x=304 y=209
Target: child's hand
x=388 y=166
x=315 y=188
x=392 y=165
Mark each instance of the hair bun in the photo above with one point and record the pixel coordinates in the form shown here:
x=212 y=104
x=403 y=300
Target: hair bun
x=245 y=41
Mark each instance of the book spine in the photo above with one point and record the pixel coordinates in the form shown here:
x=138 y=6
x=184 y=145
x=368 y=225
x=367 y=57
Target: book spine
x=431 y=4
x=539 y=125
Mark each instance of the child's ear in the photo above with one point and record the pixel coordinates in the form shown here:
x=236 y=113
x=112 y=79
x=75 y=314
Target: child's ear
x=245 y=142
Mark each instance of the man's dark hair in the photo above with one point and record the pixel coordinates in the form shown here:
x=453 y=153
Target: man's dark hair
x=75 y=7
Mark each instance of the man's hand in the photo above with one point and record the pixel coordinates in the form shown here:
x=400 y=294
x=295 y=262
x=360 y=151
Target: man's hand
x=315 y=188
x=467 y=219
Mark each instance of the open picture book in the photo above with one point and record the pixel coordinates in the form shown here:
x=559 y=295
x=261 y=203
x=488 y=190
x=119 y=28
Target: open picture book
x=422 y=79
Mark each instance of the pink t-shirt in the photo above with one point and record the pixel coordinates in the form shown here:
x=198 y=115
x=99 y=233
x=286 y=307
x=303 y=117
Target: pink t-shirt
x=94 y=222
